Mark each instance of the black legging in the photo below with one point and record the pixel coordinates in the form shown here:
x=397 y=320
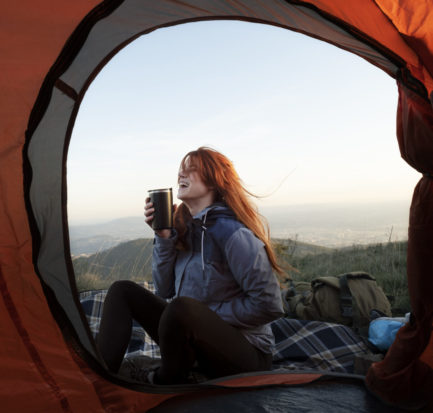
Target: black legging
x=185 y=329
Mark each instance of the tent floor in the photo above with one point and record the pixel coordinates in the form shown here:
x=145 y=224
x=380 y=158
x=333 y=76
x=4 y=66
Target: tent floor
x=336 y=396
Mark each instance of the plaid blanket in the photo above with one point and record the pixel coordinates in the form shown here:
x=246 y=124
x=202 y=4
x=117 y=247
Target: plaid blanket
x=316 y=345
x=299 y=344
x=140 y=344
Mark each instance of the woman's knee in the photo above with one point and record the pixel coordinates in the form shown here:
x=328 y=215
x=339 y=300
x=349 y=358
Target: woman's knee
x=122 y=290
x=181 y=310
x=120 y=287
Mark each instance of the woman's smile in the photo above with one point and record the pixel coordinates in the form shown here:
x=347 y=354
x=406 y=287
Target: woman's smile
x=193 y=191
x=183 y=184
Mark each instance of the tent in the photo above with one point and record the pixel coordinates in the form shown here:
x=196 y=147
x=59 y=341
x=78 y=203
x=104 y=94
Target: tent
x=50 y=53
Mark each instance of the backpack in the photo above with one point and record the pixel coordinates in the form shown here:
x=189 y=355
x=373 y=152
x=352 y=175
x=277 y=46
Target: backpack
x=345 y=299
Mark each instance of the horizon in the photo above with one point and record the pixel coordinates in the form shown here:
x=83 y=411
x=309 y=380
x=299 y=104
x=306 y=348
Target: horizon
x=329 y=225
x=262 y=210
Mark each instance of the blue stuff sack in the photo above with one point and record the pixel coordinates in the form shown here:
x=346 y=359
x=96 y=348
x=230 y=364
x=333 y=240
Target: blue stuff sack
x=382 y=331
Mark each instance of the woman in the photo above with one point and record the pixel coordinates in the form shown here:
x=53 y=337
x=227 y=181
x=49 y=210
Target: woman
x=218 y=265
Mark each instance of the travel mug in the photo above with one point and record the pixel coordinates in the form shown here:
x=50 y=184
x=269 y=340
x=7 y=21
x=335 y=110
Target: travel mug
x=162 y=200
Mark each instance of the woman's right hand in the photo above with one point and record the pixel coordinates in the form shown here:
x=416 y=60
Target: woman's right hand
x=148 y=213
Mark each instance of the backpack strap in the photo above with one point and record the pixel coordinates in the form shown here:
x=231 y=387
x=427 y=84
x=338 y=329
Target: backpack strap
x=348 y=305
x=347 y=302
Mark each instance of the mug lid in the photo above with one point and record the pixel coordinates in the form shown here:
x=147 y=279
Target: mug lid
x=160 y=190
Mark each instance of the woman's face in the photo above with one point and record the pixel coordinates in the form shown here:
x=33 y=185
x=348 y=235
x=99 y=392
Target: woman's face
x=192 y=189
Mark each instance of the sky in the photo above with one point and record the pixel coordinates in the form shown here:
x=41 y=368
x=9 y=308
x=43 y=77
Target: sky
x=303 y=121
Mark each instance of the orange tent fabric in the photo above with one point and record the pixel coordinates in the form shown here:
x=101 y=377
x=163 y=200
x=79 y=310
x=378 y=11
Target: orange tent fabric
x=37 y=369
x=43 y=79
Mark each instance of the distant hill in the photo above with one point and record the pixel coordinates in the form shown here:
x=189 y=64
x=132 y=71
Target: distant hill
x=90 y=239
x=331 y=225
x=338 y=225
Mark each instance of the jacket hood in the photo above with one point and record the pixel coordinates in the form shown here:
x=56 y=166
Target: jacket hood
x=214 y=211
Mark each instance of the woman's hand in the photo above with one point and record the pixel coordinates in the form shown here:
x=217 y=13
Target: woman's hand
x=148 y=213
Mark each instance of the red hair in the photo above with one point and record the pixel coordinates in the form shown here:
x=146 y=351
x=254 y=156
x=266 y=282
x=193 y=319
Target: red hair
x=217 y=172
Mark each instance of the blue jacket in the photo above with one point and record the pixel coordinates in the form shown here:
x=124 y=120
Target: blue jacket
x=225 y=267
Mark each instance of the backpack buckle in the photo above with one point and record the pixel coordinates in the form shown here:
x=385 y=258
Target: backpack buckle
x=346 y=306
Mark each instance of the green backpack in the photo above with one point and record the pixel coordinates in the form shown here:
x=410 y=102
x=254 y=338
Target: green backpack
x=345 y=299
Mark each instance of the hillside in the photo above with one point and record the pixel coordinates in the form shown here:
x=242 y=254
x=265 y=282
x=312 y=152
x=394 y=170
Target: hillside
x=386 y=262
x=129 y=260
x=132 y=260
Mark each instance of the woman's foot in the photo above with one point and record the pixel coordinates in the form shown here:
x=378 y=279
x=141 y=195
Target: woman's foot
x=139 y=369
